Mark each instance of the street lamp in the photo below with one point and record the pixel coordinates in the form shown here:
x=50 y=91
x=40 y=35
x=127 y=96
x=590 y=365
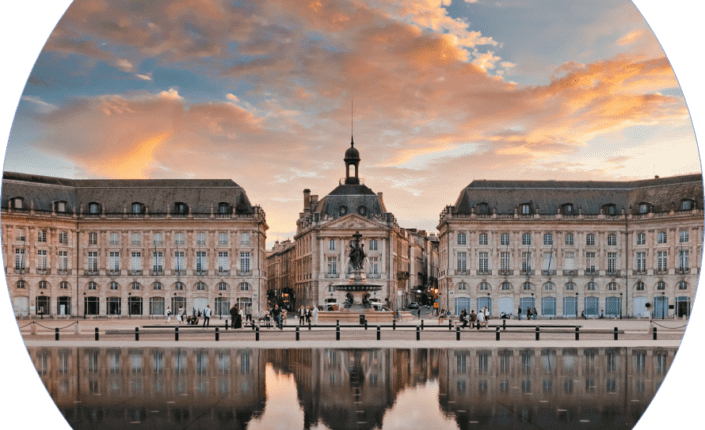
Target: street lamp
x=620 y=305
x=663 y=305
x=576 y=306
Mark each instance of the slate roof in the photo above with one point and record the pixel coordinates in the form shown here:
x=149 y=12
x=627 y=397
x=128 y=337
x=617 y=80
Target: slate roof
x=663 y=194
x=117 y=194
x=353 y=197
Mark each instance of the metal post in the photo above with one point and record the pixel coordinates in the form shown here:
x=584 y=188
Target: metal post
x=654 y=333
x=297 y=332
x=537 y=333
x=450 y=324
x=379 y=333
x=418 y=333
x=365 y=323
x=56 y=333
x=616 y=334
x=504 y=324
x=421 y=324
x=253 y=324
x=497 y=333
x=137 y=334
x=457 y=333
x=577 y=333
x=309 y=323
x=217 y=334
x=176 y=334
x=337 y=332
x=226 y=324
x=257 y=334
x=394 y=324
x=97 y=336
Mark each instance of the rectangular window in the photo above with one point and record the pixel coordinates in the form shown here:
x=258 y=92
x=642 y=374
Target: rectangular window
x=505 y=261
x=612 y=240
x=201 y=261
x=462 y=262
x=200 y=238
x=114 y=238
x=245 y=262
x=641 y=239
x=661 y=261
x=222 y=238
x=683 y=257
x=179 y=261
x=136 y=239
x=20 y=235
x=569 y=239
x=374 y=265
x=42 y=259
x=548 y=239
x=245 y=238
x=684 y=236
x=590 y=262
x=461 y=239
x=373 y=245
x=483 y=238
x=63 y=260
x=114 y=261
x=484 y=263
x=332 y=266
x=179 y=238
x=158 y=239
x=590 y=239
x=569 y=261
x=641 y=262
x=63 y=238
x=93 y=262
x=92 y=238
x=548 y=262
x=662 y=238
x=136 y=261
x=158 y=261
x=526 y=239
x=611 y=262
x=223 y=262
x=331 y=245
x=526 y=262
x=42 y=236
x=504 y=239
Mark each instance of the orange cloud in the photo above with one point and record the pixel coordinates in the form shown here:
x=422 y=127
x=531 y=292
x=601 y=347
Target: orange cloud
x=630 y=37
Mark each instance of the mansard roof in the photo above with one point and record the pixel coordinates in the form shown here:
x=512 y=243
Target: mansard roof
x=662 y=194
x=116 y=195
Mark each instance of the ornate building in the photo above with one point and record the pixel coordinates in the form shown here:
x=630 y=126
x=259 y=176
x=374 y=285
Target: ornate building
x=323 y=233
x=564 y=248
x=280 y=276
x=130 y=247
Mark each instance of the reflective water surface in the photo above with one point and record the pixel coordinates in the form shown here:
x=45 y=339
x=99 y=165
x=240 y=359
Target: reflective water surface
x=168 y=388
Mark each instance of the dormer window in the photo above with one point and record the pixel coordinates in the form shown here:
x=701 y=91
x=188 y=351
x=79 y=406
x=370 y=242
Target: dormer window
x=224 y=209
x=643 y=208
x=609 y=209
x=180 y=208
x=567 y=209
x=525 y=209
x=93 y=208
x=60 y=206
x=17 y=203
x=687 y=204
x=482 y=208
x=343 y=210
x=362 y=210
x=137 y=208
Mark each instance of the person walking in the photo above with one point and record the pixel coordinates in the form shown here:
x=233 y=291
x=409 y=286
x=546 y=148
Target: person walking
x=248 y=315
x=308 y=315
x=233 y=316
x=168 y=315
x=529 y=313
x=536 y=314
x=276 y=313
x=314 y=313
x=207 y=316
x=441 y=316
x=463 y=317
x=179 y=316
x=241 y=314
x=486 y=314
x=302 y=315
x=519 y=313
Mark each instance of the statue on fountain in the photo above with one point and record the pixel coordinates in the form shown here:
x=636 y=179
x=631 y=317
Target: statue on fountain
x=357 y=253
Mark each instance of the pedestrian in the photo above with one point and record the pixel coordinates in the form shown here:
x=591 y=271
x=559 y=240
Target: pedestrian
x=480 y=319
x=308 y=315
x=302 y=315
x=536 y=314
x=519 y=313
x=463 y=318
x=276 y=313
x=248 y=315
x=238 y=317
x=194 y=311
x=486 y=313
x=441 y=316
x=207 y=316
x=233 y=316
x=314 y=313
x=179 y=316
x=168 y=315
x=241 y=314
x=582 y=314
x=284 y=316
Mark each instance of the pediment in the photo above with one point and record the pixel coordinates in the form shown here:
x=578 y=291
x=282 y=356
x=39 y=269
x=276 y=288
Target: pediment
x=353 y=222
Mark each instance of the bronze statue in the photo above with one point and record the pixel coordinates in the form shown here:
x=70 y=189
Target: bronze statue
x=357 y=252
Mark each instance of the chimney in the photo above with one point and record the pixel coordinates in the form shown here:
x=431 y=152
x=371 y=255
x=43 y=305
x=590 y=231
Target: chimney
x=379 y=194
x=314 y=201
x=307 y=199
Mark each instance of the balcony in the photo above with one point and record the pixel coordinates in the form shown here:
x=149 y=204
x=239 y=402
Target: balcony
x=21 y=271
x=683 y=271
x=506 y=272
x=134 y=272
x=156 y=272
x=461 y=272
x=179 y=272
x=90 y=272
x=374 y=275
x=614 y=273
x=570 y=273
x=548 y=272
x=43 y=271
x=201 y=272
x=114 y=272
x=661 y=271
x=244 y=273
x=331 y=275
x=591 y=272
x=223 y=272
x=64 y=271
x=483 y=272
x=639 y=272
x=527 y=272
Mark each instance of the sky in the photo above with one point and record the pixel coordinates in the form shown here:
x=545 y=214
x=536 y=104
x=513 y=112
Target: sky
x=442 y=92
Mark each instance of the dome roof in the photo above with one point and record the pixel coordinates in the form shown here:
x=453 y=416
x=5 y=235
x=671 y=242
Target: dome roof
x=352 y=154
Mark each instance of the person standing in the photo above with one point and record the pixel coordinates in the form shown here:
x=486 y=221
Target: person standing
x=308 y=315
x=535 y=313
x=179 y=316
x=529 y=313
x=486 y=314
x=233 y=316
x=168 y=315
x=519 y=313
x=207 y=316
x=302 y=315
x=241 y=314
x=314 y=313
x=248 y=314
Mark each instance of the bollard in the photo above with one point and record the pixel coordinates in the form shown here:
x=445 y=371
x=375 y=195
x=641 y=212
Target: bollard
x=33 y=329
x=257 y=334
x=176 y=334
x=365 y=323
x=394 y=324
x=457 y=333
x=76 y=329
x=217 y=334
x=379 y=333
x=421 y=324
x=97 y=336
x=297 y=332
x=253 y=325
x=309 y=323
x=226 y=324
x=56 y=333
x=450 y=324
x=337 y=332
x=137 y=334
x=654 y=333
x=577 y=333
x=418 y=333
x=504 y=324
x=537 y=333
x=616 y=334
x=497 y=333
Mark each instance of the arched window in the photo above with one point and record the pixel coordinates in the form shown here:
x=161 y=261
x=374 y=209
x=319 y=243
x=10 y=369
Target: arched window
x=222 y=286
x=180 y=208
x=135 y=285
x=114 y=286
x=484 y=286
x=661 y=286
x=200 y=286
x=548 y=286
x=42 y=285
x=639 y=286
x=612 y=286
x=93 y=208
x=526 y=286
x=63 y=285
x=462 y=286
x=21 y=285
x=682 y=285
x=244 y=286
x=591 y=286
x=92 y=286
x=179 y=286
x=157 y=286
x=570 y=286
x=137 y=208
x=506 y=286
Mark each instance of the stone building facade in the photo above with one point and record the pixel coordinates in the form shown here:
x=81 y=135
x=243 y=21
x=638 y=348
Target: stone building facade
x=281 y=276
x=130 y=247
x=323 y=233
x=564 y=248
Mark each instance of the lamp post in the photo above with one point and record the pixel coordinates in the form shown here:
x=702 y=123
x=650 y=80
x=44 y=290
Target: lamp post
x=533 y=305
x=576 y=306
x=620 y=305
x=663 y=305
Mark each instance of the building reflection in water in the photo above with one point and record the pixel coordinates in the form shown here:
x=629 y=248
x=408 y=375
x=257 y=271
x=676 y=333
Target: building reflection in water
x=352 y=388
